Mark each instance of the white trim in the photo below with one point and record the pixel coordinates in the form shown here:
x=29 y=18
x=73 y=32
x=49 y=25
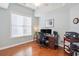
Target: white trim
x=61 y=45
x=2 y=48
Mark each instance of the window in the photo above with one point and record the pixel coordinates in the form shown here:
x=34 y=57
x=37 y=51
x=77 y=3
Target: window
x=21 y=25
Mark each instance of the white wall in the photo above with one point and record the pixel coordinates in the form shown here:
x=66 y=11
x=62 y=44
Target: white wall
x=61 y=23
x=74 y=12
x=63 y=20
x=5 y=24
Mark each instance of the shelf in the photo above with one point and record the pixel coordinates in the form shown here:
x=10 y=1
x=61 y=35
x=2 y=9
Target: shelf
x=67 y=42
x=67 y=51
x=71 y=39
x=66 y=46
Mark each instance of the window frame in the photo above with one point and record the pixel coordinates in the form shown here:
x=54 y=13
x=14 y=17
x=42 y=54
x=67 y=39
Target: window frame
x=24 y=26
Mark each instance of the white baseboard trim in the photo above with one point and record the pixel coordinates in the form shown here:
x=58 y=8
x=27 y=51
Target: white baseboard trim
x=2 y=48
x=60 y=45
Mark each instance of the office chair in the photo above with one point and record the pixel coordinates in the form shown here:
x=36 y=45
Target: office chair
x=43 y=40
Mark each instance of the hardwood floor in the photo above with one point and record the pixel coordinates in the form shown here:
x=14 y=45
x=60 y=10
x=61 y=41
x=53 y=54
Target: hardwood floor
x=32 y=49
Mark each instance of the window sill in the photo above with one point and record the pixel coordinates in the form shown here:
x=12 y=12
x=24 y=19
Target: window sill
x=20 y=36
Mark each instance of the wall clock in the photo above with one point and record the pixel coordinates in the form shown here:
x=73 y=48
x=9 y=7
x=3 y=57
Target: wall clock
x=75 y=20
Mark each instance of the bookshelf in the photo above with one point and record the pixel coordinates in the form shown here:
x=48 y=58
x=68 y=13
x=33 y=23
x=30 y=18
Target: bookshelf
x=68 y=41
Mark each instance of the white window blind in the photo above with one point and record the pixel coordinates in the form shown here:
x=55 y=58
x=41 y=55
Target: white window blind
x=21 y=25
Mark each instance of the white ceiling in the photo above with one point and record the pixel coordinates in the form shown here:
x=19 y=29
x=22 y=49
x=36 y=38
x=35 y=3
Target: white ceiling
x=30 y=5
x=4 y=5
x=43 y=8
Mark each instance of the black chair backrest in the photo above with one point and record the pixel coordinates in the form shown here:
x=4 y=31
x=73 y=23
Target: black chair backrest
x=41 y=35
x=55 y=33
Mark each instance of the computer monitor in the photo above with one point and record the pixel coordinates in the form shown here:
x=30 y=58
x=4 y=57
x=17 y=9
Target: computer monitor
x=48 y=31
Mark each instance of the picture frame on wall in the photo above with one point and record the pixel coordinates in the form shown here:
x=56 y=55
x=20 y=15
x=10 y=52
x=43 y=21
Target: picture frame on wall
x=50 y=23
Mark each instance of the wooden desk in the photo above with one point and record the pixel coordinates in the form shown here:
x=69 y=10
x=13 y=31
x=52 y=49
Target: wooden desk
x=51 y=41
